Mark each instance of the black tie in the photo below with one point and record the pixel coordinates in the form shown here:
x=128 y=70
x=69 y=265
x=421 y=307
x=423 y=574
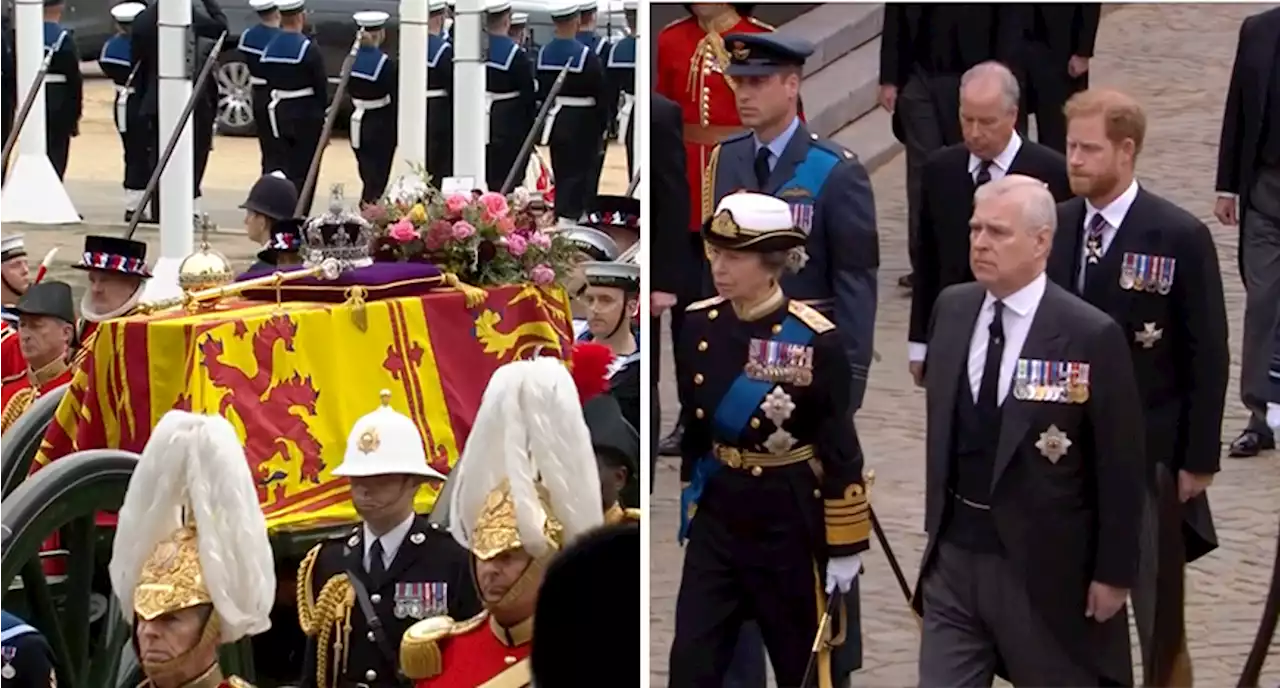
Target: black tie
x=377 y=569
x=762 y=168
x=984 y=174
x=1093 y=247
x=991 y=369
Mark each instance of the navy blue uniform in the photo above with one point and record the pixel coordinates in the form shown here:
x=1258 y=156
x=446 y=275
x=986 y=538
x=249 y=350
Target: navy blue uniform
x=621 y=67
x=510 y=98
x=8 y=78
x=298 y=88
x=116 y=61
x=373 y=88
x=253 y=43
x=64 y=96
x=576 y=122
x=28 y=661
x=439 y=107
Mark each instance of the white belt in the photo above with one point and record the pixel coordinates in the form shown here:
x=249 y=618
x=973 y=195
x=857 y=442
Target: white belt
x=563 y=102
x=122 y=108
x=489 y=99
x=437 y=93
x=257 y=81
x=359 y=106
x=624 y=113
x=55 y=78
x=278 y=95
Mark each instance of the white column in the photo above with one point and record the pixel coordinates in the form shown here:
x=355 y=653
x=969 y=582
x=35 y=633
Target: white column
x=470 y=119
x=33 y=193
x=412 y=107
x=177 y=182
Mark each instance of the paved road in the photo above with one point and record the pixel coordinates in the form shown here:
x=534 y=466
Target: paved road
x=1176 y=59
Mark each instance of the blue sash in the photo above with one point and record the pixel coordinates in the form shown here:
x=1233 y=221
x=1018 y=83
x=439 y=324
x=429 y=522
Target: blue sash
x=732 y=416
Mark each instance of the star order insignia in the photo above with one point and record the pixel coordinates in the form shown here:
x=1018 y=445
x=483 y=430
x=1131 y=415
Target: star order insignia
x=1149 y=335
x=1053 y=444
x=780 y=442
x=778 y=406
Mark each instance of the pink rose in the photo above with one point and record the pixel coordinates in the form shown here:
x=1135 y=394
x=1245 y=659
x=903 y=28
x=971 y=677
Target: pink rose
x=540 y=239
x=374 y=213
x=403 y=231
x=506 y=225
x=542 y=274
x=439 y=235
x=495 y=205
x=516 y=245
x=463 y=230
x=456 y=203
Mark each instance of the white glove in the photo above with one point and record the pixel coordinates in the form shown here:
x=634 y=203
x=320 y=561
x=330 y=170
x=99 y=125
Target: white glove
x=841 y=571
x=1273 y=416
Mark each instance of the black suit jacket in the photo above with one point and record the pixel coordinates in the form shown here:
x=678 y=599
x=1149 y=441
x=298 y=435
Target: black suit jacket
x=1063 y=523
x=974 y=26
x=1072 y=27
x=1183 y=376
x=208 y=21
x=669 y=189
x=946 y=205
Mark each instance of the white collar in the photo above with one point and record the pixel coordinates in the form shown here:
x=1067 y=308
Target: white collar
x=1116 y=210
x=391 y=540
x=87 y=311
x=1004 y=161
x=1023 y=301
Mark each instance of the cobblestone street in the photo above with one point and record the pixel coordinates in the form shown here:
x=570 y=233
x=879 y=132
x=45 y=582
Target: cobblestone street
x=1176 y=59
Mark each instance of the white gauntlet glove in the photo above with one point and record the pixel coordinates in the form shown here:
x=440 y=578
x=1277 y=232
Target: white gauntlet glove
x=841 y=571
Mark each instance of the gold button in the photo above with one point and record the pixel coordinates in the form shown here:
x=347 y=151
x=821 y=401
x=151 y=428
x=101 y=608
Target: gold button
x=757 y=471
x=509 y=660
x=755 y=422
x=699 y=413
x=777 y=329
x=713 y=314
x=697 y=379
x=817 y=494
x=702 y=345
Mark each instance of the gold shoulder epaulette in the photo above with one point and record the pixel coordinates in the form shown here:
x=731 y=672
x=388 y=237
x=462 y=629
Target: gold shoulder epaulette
x=631 y=514
x=807 y=315
x=460 y=627
x=681 y=20
x=705 y=303
x=18 y=405
x=761 y=24
x=709 y=184
x=420 y=647
x=237 y=682
x=307 y=600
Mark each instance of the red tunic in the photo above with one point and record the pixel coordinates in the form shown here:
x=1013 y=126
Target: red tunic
x=691 y=62
x=51 y=376
x=480 y=649
x=12 y=364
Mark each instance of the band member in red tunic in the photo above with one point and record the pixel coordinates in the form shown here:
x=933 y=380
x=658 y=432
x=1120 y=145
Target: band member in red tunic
x=46 y=326
x=525 y=489
x=15 y=277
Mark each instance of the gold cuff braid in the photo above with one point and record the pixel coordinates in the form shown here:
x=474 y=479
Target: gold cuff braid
x=848 y=519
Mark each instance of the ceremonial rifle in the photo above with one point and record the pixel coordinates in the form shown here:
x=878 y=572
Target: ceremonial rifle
x=30 y=100
x=1266 y=629
x=522 y=159
x=197 y=92
x=635 y=183
x=307 y=193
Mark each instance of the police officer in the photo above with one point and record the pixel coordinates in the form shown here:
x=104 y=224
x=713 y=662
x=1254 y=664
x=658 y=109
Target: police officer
x=510 y=94
x=439 y=94
x=373 y=87
x=621 y=65
x=253 y=42
x=64 y=88
x=116 y=61
x=827 y=188
x=400 y=566
x=768 y=403
x=298 y=84
x=28 y=660
x=579 y=115
x=269 y=221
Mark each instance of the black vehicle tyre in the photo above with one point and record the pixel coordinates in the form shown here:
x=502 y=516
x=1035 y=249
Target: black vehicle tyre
x=22 y=440
x=235 y=96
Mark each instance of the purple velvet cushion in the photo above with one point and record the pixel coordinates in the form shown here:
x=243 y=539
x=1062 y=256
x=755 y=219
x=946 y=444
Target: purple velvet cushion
x=381 y=280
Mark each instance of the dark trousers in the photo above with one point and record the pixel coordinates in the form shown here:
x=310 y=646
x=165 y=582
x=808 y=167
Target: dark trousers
x=202 y=129
x=137 y=143
x=1260 y=263
x=440 y=140
x=630 y=137
x=929 y=110
x=507 y=131
x=1046 y=86
x=296 y=146
x=263 y=128
x=58 y=146
x=575 y=157
x=377 y=152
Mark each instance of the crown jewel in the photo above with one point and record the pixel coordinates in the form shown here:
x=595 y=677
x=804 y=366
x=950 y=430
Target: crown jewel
x=339 y=234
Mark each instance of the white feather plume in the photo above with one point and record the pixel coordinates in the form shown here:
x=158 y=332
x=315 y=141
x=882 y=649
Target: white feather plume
x=198 y=461
x=529 y=430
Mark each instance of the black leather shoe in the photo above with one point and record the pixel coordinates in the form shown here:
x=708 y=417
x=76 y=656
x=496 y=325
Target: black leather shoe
x=906 y=281
x=1250 y=443
x=670 y=445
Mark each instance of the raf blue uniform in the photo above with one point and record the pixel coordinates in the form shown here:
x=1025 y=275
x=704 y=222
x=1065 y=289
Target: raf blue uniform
x=511 y=96
x=440 y=107
x=576 y=122
x=297 y=91
x=116 y=61
x=64 y=96
x=373 y=88
x=28 y=661
x=621 y=67
x=253 y=43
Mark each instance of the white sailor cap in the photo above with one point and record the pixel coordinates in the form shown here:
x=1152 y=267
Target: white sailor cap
x=385 y=442
x=592 y=6
x=564 y=10
x=620 y=275
x=496 y=6
x=262 y=5
x=519 y=18
x=371 y=19
x=12 y=246
x=126 y=11
x=290 y=5
x=450 y=3
x=754 y=222
x=593 y=242
x=434 y=6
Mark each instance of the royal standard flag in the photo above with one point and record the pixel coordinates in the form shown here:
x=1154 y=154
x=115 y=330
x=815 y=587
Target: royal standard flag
x=293 y=378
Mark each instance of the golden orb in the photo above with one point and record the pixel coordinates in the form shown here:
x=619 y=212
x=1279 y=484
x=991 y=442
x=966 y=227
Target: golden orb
x=204 y=269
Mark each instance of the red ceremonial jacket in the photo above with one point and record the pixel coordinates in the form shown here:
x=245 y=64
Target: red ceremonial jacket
x=12 y=364
x=16 y=396
x=691 y=62
x=479 y=649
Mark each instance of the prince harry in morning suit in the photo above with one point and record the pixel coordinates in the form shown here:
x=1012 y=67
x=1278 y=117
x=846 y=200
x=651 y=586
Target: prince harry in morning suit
x=1033 y=477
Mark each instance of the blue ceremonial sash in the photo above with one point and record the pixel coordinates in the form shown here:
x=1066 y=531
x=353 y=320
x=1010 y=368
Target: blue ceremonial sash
x=732 y=416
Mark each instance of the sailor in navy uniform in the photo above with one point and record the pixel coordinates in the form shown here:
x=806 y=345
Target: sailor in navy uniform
x=451 y=8
x=396 y=562
x=591 y=245
x=298 y=87
x=510 y=94
x=612 y=301
x=439 y=94
x=116 y=61
x=774 y=509
x=373 y=87
x=620 y=65
x=28 y=660
x=253 y=42
x=518 y=31
x=579 y=115
x=64 y=88
x=589 y=36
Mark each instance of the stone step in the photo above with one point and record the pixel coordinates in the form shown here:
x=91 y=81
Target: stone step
x=844 y=90
x=870 y=138
x=835 y=29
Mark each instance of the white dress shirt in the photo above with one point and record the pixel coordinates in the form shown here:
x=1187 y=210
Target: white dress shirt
x=1019 y=310
x=391 y=542
x=1114 y=214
